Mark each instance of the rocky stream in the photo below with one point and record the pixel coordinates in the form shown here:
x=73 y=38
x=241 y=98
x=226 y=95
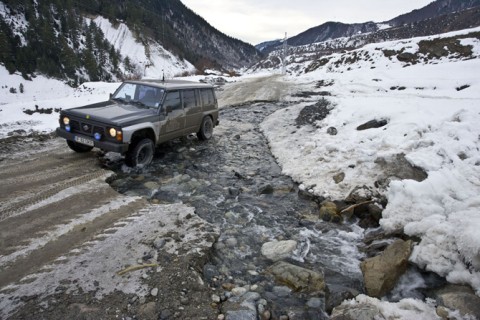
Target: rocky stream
x=234 y=182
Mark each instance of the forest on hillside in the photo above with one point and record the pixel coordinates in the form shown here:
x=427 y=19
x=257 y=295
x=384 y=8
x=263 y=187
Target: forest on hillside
x=54 y=38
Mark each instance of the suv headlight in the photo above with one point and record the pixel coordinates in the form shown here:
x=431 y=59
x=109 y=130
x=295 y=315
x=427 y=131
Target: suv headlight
x=113 y=132
x=66 y=121
x=117 y=134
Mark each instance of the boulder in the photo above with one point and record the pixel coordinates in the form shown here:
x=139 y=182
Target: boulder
x=278 y=250
x=382 y=272
x=298 y=278
x=372 y=124
x=459 y=298
x=329 y=212
x=407 y=57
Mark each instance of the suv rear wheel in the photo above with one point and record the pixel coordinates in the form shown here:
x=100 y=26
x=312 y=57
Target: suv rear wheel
x=78 y=147
x=140 y=153
x=206 y=130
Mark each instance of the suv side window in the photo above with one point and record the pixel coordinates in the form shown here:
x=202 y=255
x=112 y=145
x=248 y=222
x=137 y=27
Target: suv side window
x=172 y=100
x=189 y=100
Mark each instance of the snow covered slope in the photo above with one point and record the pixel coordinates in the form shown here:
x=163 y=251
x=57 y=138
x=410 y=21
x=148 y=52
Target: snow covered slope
x=430 y=99
x=151 y=59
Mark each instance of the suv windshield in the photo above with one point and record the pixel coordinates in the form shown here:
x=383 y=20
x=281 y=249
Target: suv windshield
x=139 y=94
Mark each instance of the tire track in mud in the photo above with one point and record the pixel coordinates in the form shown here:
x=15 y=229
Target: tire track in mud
x=33 y=172
x=52 y=202
x=78 y=236
x=18 y=207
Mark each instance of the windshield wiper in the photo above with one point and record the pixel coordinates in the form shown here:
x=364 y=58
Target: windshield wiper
x=139 y=103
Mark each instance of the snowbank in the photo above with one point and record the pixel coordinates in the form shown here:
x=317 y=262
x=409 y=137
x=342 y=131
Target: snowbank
x=46 y=94
x=433 y=112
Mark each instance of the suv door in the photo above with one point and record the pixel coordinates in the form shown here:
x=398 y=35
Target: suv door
x=193 y=110
x=174 y=116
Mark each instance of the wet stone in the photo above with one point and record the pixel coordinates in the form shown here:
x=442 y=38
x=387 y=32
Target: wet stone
x=278 y=250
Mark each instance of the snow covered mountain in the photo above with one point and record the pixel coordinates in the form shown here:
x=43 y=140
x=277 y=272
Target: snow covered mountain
x=297 y=54
x=335 y=30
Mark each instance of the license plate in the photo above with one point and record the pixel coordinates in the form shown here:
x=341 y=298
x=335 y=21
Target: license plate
x=84 y=141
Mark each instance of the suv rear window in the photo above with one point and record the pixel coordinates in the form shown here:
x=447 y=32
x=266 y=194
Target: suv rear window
x=207 y=96
x=189 y=100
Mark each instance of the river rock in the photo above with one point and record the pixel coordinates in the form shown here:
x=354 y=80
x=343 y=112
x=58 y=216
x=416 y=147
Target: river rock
x=239 y=291
x=382 y=272
x=461 y=298
x=360 y=194
x=362 y=311
x=148 y=311
x=298 y=278
x=266 y=189
x=306 y=195
x=278 y=250
x=332 y=131
x=152 y=185
x=154 y=292
x=329 y=212
x=339 y=177
x=242 y=315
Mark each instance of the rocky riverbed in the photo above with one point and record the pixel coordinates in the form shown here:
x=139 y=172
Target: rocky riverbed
x=234 y=183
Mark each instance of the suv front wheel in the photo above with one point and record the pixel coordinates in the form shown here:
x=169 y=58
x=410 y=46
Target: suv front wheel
x=140 y=153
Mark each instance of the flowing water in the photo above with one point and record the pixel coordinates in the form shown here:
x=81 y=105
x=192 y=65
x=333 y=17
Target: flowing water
x=234 y=182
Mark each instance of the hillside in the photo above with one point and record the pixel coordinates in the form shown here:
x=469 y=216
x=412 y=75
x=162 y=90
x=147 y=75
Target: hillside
x=331 y=30
x=434 y=9
x=105 y=40
x=336 y=30
x=298 y=54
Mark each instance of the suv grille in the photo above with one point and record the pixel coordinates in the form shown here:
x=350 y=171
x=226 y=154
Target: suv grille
x=87 y=129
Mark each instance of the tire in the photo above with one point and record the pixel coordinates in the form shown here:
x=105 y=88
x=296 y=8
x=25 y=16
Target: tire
x=140 y=154
x=206 y=129
x=78 y=147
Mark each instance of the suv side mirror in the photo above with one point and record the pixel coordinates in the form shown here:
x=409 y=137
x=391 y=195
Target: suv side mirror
x=111 y=95
x=168 y=109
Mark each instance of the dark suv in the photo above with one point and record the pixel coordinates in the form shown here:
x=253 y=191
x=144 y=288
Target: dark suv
x=139 y=116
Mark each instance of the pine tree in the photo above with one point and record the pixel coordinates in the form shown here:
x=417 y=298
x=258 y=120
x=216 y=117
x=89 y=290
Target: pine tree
x=6 y=46
x=90 y=65
x=68 y=59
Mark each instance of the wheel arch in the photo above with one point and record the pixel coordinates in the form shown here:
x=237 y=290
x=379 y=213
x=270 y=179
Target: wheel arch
x=136 y=133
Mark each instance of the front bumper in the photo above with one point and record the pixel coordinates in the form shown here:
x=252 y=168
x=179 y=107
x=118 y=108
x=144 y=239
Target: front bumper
x=104 y=145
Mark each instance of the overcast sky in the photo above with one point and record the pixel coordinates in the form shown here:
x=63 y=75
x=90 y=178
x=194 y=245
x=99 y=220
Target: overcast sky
x=255 y=21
